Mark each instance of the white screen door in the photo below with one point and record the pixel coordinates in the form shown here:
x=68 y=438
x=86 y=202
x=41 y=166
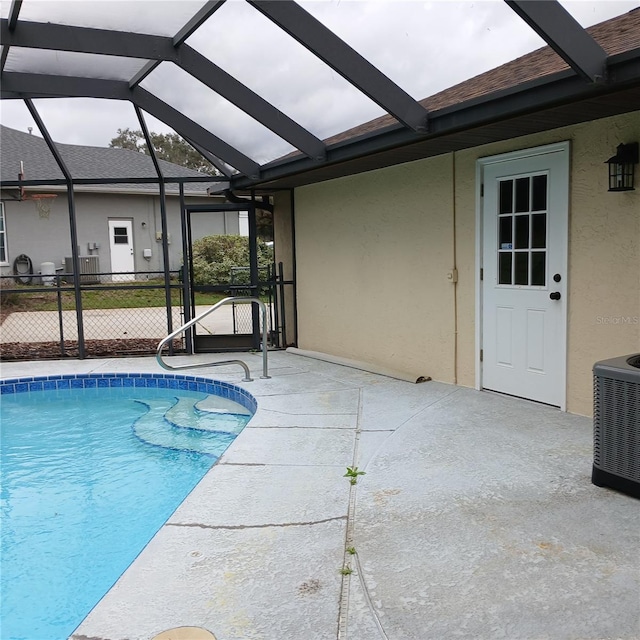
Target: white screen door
x=121 y=246
x=524 y=222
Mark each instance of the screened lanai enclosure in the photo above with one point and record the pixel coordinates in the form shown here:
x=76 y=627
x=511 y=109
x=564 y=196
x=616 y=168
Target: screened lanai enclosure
x=273 y=95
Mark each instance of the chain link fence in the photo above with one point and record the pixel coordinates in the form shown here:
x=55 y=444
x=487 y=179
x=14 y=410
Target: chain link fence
x=242 y=312
x=118 y=318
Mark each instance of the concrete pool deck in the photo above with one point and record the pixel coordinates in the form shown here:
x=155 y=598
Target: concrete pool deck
x=476 y=519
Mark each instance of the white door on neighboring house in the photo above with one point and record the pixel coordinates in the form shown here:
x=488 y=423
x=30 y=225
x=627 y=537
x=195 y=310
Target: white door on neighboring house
x=524 y=279
x=121 y=246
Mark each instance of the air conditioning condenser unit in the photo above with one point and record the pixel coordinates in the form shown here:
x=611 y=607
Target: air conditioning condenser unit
x=89 y=268
x=616 y=424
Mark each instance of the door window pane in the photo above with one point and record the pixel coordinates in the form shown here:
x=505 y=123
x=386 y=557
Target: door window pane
x=539 y=196
x=504 y=268
x=120 y=235
x=506 y=197
x=522 y=232
x=538 y=268
x=522 y=268
x=539 y=230
x=506 y=228
x=522 y=195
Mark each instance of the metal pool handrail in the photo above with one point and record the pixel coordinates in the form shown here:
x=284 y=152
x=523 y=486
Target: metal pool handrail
x=187 y=325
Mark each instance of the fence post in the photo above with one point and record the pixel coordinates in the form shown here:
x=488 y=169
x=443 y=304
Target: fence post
x=60 y=319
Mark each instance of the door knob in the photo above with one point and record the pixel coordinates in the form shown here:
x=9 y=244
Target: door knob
x=555 y=295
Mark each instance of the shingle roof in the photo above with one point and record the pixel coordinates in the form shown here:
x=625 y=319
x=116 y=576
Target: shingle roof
x=617 y=35
x=85 y=162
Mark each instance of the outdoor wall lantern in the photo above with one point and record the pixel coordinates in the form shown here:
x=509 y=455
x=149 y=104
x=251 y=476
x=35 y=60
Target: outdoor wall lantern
x=621 y=167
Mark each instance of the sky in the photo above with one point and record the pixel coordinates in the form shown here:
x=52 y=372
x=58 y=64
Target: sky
x=424 y=47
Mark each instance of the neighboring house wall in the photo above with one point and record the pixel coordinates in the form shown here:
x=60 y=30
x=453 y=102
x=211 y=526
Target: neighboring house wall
x=48 y=239
x=214 y=224
x=374 y=251
x=42 y=240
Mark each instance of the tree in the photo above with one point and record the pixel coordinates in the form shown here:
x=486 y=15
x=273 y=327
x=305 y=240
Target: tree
x=225 y=260
x=168 y=146
x=264 y=225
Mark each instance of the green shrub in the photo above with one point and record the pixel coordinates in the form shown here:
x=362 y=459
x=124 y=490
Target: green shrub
x=214 y=258
x=9 y=299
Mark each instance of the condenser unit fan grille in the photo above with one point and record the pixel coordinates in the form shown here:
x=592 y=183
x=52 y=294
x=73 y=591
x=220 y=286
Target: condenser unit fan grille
x=617 y=437
x=634 y=361
x=616 y=424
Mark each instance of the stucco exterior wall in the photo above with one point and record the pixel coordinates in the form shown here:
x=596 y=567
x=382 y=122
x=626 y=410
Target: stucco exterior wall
x=48 y=240
x=373 y=252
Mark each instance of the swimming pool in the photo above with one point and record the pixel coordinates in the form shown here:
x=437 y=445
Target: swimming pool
x=92 y=466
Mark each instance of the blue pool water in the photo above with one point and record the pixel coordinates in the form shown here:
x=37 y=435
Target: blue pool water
x=88 y=476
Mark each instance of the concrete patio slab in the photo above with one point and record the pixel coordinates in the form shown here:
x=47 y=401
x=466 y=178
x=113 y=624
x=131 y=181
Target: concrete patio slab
x=476 y=519
x=314 y=409
x=246 y=495
x=325 y=403
x=293 y=446
x=387 y=406
x=248 y=583
x=471 y=524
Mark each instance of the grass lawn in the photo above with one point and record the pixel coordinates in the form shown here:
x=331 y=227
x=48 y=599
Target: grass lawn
x=130 y=296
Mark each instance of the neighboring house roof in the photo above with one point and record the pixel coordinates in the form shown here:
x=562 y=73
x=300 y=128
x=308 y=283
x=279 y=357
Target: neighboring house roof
x=536 y=92
x=85 y=162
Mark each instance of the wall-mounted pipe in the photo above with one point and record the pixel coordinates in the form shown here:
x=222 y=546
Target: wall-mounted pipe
x=258 y=204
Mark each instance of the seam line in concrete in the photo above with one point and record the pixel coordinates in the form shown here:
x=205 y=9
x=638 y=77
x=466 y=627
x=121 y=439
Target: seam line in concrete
x=233 y=527
x=345 y=586
x=300 y=427
x=404 y=422
x=367 y=598
x=279 y=464
x=343 y=387
x=309 y=413
x=377 y=430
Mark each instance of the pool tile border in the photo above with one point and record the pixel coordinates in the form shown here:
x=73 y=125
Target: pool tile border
x=119 y=380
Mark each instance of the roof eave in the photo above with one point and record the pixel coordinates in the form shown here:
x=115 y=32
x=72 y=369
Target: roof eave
x=557 y=89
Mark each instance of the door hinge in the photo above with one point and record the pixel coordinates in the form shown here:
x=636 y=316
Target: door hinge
x=482 y=190
x=481 y=274
x=481 y=355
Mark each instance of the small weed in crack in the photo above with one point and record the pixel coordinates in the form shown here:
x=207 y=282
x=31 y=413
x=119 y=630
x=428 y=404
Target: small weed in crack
x=353 y=473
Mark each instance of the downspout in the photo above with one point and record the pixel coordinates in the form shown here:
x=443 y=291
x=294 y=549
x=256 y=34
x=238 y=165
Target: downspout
x=254 y=273
x=293 y=255
x=72 y=222
x=455 y=270
x=163 y=221
x=186 y=272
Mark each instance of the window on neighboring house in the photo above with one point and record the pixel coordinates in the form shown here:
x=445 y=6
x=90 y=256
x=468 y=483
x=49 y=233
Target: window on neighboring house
x=3 y=236
x=243 y=223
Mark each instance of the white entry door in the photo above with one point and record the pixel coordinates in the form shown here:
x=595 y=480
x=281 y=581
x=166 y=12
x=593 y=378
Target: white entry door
x=524 y=261
x=121 y=245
